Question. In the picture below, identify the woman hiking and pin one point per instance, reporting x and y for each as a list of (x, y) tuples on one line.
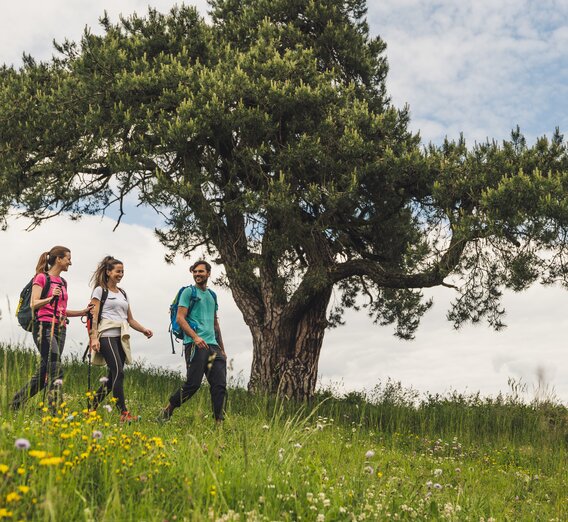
[(49, 304), (109, 337)]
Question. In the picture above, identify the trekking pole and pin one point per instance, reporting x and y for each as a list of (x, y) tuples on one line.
[(89, 325)]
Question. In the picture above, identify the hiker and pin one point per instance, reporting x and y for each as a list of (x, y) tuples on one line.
[(109, 337), (203, 345), (49, 306)]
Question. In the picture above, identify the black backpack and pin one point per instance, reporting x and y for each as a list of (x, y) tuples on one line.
[(24, 312)]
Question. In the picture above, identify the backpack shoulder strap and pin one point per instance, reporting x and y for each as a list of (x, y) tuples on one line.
[(123, 292), (102, 303), (213, 294), (192, 298), (45, 289)]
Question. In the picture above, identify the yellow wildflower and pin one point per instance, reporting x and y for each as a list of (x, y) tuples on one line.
[(4, 468), (4, 513), (51, 461), (38, 454), (21, 471), (12, 497), (24, 489)]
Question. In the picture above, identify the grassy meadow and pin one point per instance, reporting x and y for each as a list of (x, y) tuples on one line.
[(386, 455)]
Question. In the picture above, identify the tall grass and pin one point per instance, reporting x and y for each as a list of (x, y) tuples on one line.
[(390, 454)]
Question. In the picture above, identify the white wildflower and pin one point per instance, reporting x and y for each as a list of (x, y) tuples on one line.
[(22, 444)]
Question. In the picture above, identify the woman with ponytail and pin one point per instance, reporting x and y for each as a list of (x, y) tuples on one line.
[(49, 304), (109, 337)]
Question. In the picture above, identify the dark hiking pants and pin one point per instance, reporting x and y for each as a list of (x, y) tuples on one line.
[(200, 362), (50, 373), (113, 354)]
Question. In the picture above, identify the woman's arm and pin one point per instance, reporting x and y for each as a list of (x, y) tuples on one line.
[(77, 313), (94, 343), (37, 302), (135, 325)]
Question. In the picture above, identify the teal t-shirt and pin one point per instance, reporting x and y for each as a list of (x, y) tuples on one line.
[(201, 315)]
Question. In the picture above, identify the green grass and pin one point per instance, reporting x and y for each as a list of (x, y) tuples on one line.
[(428, 458)]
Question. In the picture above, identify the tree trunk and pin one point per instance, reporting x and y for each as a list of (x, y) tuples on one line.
[(287, 349)]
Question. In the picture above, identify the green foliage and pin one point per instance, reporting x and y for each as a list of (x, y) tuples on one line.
[(391, 451)]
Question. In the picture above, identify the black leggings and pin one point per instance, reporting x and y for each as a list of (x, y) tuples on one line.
[(113, 353), (50, 372)]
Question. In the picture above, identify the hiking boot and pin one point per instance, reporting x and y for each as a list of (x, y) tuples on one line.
[(126, 417), (165, 414)]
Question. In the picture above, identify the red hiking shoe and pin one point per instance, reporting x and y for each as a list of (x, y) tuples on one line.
[(127, 417)]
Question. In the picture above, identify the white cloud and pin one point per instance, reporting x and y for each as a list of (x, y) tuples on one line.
[(32, 25), (480, 67)]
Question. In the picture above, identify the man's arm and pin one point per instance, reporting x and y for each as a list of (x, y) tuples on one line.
[(218, 336)]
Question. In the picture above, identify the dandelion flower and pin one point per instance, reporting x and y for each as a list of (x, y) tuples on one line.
[(24, 489), (97, 434), (437, 472), (370, 454), (12, 497), (38, 454), (369, 470), (103, 380), (4, 513), (4, 468), (23, 444), (51, 461)]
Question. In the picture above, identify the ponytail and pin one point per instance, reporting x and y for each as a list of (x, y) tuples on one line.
[(47, 259), (100, 277)]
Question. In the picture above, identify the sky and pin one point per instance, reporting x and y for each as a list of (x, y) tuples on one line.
[(476, 67)]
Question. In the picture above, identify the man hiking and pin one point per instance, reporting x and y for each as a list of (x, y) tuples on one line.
[(203, 344)]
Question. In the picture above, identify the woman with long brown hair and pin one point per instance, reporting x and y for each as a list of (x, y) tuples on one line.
[(49, 304), (109, 337)]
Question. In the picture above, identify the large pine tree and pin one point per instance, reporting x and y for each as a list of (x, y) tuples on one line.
[(266, 135)]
